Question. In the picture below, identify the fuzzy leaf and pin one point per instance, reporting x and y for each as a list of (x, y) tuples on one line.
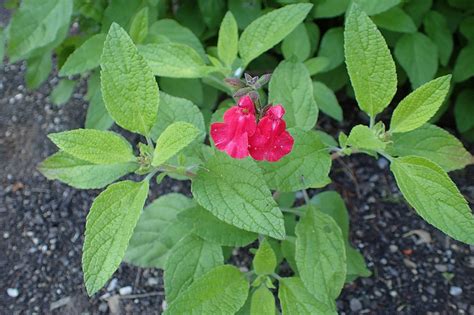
[(139, 26), (86, 57), (434, 196), (296, 299), (464, 110), (174, 60), (207, 226), (269, 29), (236, 193), (173, 109), (129, 88), (372, 7), (174, 138), (35, 25), (463, 67), (369, 63), (228, 40), (395, 20), (436, 27), (95, 146), (434, 144), (109, 226), (420, 105), (157, 231), (297, 44), (82, 174), (190, 258), (320, 255), (418, 56), (221, 291), (264, 261), (291, 86), (263, 302), (332, 47), (37, 70), (327, 101), (306, 166), (364, 138), (62, 92)]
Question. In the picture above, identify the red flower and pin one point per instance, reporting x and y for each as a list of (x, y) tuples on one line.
[(271, 141), (232, 136)]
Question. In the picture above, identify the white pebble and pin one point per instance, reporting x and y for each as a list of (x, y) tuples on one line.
[(455, 291), (112, 285), (12, 292), (125, 290)]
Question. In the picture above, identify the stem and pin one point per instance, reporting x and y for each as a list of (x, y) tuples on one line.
[(385, 155), (149, 142), (295, 212), (276, 276), (305, 196), (151, 174), (372, 122), (172, 168)]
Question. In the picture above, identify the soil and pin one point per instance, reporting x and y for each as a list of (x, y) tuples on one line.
[(416, 269)]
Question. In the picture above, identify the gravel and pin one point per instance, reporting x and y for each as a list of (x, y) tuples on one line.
[(42, 225)]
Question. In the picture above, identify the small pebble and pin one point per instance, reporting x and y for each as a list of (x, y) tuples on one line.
[(12, 292), (441, 268), (393, 248), (112, 285), (152, 281), (355, 305), (382, 163), (455, 291), (125, 290), (383, 261)]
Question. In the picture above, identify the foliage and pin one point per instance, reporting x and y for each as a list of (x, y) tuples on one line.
[(166, 73)]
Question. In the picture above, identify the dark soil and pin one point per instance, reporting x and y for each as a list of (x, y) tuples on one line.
[(42, 225)]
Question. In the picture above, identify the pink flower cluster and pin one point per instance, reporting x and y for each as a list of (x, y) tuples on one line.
[(240, 135)]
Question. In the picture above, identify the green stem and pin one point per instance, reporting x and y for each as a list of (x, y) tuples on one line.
[(174, 169), (305, 196), (295, 212), (372, 122)]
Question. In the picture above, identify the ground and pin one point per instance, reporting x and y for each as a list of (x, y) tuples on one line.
[(416, 269)]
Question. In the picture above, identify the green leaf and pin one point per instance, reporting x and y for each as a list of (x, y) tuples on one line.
[(327, 101), (418, 56), (418, 9), (157, 231), (190, 89), (35, 25), (364, 138), (464, 110), (316, 65), (372, 7), (173, 109), (332, 47), (263, 302), (467, 27), (97, 116), (62, 92), (139, 26), (3, 35), (245, 12), (126, 76), (291, 86), (329, 8), (297, 44), (463, 68), (212, 11), (288, 251), (296, 299), (307, 165), (109, 227), (228, 40), (172, 140), (332, 204), (436, 27), (395, 20), (269, 29), (85, 58), (221, 291), (177, 33), (420, 105), (320, 255), (434, 144), (210, 228), (82, 174), (95, 146), (434, 196), (37, 70), (369, 63), (236, 193), (190, 258), (264, 261), (174, 60)]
